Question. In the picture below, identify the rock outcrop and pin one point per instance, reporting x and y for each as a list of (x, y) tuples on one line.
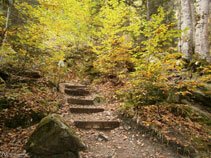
[(54, 138)]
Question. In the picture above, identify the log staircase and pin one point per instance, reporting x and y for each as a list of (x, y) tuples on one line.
[(79, 95)]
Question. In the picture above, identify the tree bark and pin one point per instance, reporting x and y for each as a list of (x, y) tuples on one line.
[(179, 45), (148, 10), (193, 22), (210, 23), (4, 34), (187, 36), (202, 30), (6, 26)]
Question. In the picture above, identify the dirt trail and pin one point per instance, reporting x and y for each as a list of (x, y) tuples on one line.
[(121, 142)]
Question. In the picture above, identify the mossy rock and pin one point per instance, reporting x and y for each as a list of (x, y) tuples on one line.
[(53, 136), (98, 100)]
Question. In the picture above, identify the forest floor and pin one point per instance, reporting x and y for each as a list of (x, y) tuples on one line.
[(173, 126), (122, 142), (126, 141)]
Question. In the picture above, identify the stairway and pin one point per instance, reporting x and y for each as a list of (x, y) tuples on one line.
[(97, 124), (81, 101)]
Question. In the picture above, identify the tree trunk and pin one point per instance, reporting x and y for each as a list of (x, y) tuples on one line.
[(210, 23), (179, 45), (6, 26), (148, 10), (193, 22), (202, 31), (4, 32), (187, 36)]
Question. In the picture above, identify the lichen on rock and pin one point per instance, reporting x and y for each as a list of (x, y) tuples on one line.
[(53, 137)]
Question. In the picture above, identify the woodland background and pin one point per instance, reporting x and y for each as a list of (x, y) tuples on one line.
[(156, 54)]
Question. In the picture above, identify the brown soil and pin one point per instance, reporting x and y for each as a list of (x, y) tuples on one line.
[(121, 142)]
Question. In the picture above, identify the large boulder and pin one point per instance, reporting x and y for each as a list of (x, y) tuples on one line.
[(54, 138)]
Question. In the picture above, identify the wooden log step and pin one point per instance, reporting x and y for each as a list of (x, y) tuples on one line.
[(86, 110), (75, 86), (80, 101), (77, 92), (103, 125)]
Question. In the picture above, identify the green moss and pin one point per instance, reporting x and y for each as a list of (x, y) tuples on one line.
[(52, 133), (48, 121)]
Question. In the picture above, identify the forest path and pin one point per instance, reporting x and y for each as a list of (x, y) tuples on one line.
[(111, 138)]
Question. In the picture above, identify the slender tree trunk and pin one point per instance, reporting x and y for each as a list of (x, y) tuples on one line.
[(4, 35), (179, 45), (6, 25), (210, 23), (193, 22), (202, 30), (148, 10), (187, 37)]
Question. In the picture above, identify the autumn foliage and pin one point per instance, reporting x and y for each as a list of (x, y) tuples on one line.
[(95, 41)]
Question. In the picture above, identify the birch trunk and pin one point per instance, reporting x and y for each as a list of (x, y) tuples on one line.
[(187, 37), (202, 30), (6, 26), (148, 10), (193, 22), (210, 25), (179, 45), (4, 32)]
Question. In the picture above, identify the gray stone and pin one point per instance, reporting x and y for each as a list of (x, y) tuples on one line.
[(54, 138), (102, 137)]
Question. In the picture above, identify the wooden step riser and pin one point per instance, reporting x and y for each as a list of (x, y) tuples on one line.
[(86, 110), (101, 125), (77, 92), (75, 87), (80, 102)]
